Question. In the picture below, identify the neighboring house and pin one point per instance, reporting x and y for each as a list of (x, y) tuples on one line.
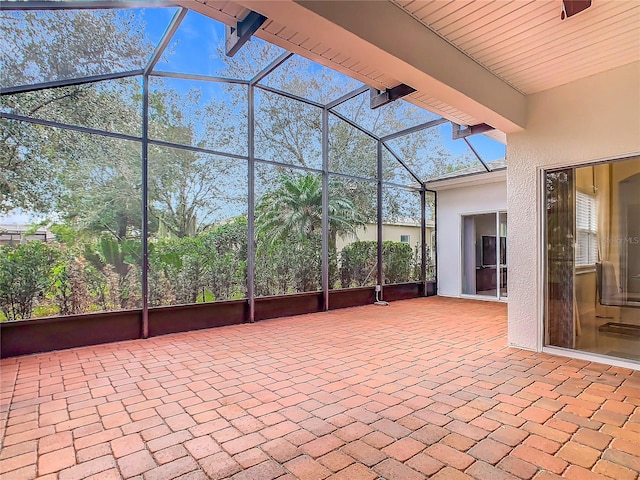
[(405, 231), (16, 234)]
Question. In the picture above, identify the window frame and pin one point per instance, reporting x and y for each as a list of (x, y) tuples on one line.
[(586, 260)]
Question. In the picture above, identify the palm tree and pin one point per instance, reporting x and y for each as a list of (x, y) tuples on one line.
[(293, 211)]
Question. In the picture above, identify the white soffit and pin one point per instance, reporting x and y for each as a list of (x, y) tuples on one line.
[(292, 26), (291, 39), (522, 42), (481, 178), (525, 43)]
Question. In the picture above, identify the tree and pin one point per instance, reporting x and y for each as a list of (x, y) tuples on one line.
[(188, 190), (25, 272), (92, 184), (294, 210), (289, 236), (183, 191), (289, 131), (53, 45), (101, 186), (289, 233)]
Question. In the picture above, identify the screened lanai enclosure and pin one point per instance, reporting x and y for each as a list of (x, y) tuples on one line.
[(177, 187)]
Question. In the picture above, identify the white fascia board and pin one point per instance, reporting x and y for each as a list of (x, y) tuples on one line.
[(499, 176), (390, 40)]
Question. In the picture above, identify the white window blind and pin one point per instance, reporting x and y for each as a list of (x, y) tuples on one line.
[(586, 229)]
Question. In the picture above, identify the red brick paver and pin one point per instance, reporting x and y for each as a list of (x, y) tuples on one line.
[(423, 388)]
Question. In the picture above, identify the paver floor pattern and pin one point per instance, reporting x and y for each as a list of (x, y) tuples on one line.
[(423, 388)]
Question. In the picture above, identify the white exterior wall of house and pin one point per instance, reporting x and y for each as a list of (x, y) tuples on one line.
[(454, 201), (595, 118), (389, 232)]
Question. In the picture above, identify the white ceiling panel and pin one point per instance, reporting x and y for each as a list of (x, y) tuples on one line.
[(527, 45)]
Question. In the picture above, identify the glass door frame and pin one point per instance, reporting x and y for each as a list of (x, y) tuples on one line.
[(500, 267), (543, 269)]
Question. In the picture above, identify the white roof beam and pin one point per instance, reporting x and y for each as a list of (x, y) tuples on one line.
[(391, 40)]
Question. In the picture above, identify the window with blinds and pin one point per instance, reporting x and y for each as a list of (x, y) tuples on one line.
[(586, 230)]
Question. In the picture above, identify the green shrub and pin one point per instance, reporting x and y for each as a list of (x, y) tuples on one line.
[(69, 285), (358, 264), (210, 266), (25, 275), (397, 262), (225, 250), (118, 283)]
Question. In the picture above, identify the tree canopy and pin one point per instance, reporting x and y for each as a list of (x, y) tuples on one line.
[(87, 183)]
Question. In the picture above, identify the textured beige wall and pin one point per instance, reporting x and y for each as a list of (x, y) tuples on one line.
[(592, 119), (389, 232)]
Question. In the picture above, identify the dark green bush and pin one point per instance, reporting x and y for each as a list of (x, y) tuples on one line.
[(397, 262), (25, 273), (358, 263)]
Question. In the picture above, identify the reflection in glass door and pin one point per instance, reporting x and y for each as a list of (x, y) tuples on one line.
[(592, 301), (484, 255), (502, 229)]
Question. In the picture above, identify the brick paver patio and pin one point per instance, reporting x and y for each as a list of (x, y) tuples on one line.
[(423, 388)]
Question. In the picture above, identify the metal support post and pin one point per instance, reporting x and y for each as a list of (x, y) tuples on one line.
[(325, 207), (379, 175), (435, 242), (251, 207), (145, 206), (423, 240)]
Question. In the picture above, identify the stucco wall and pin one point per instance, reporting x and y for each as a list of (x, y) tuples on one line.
[(452, 204), (591, 119), (389, 232)]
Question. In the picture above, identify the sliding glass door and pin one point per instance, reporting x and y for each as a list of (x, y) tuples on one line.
[(502, 230), (592, 223), (484, 255)]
